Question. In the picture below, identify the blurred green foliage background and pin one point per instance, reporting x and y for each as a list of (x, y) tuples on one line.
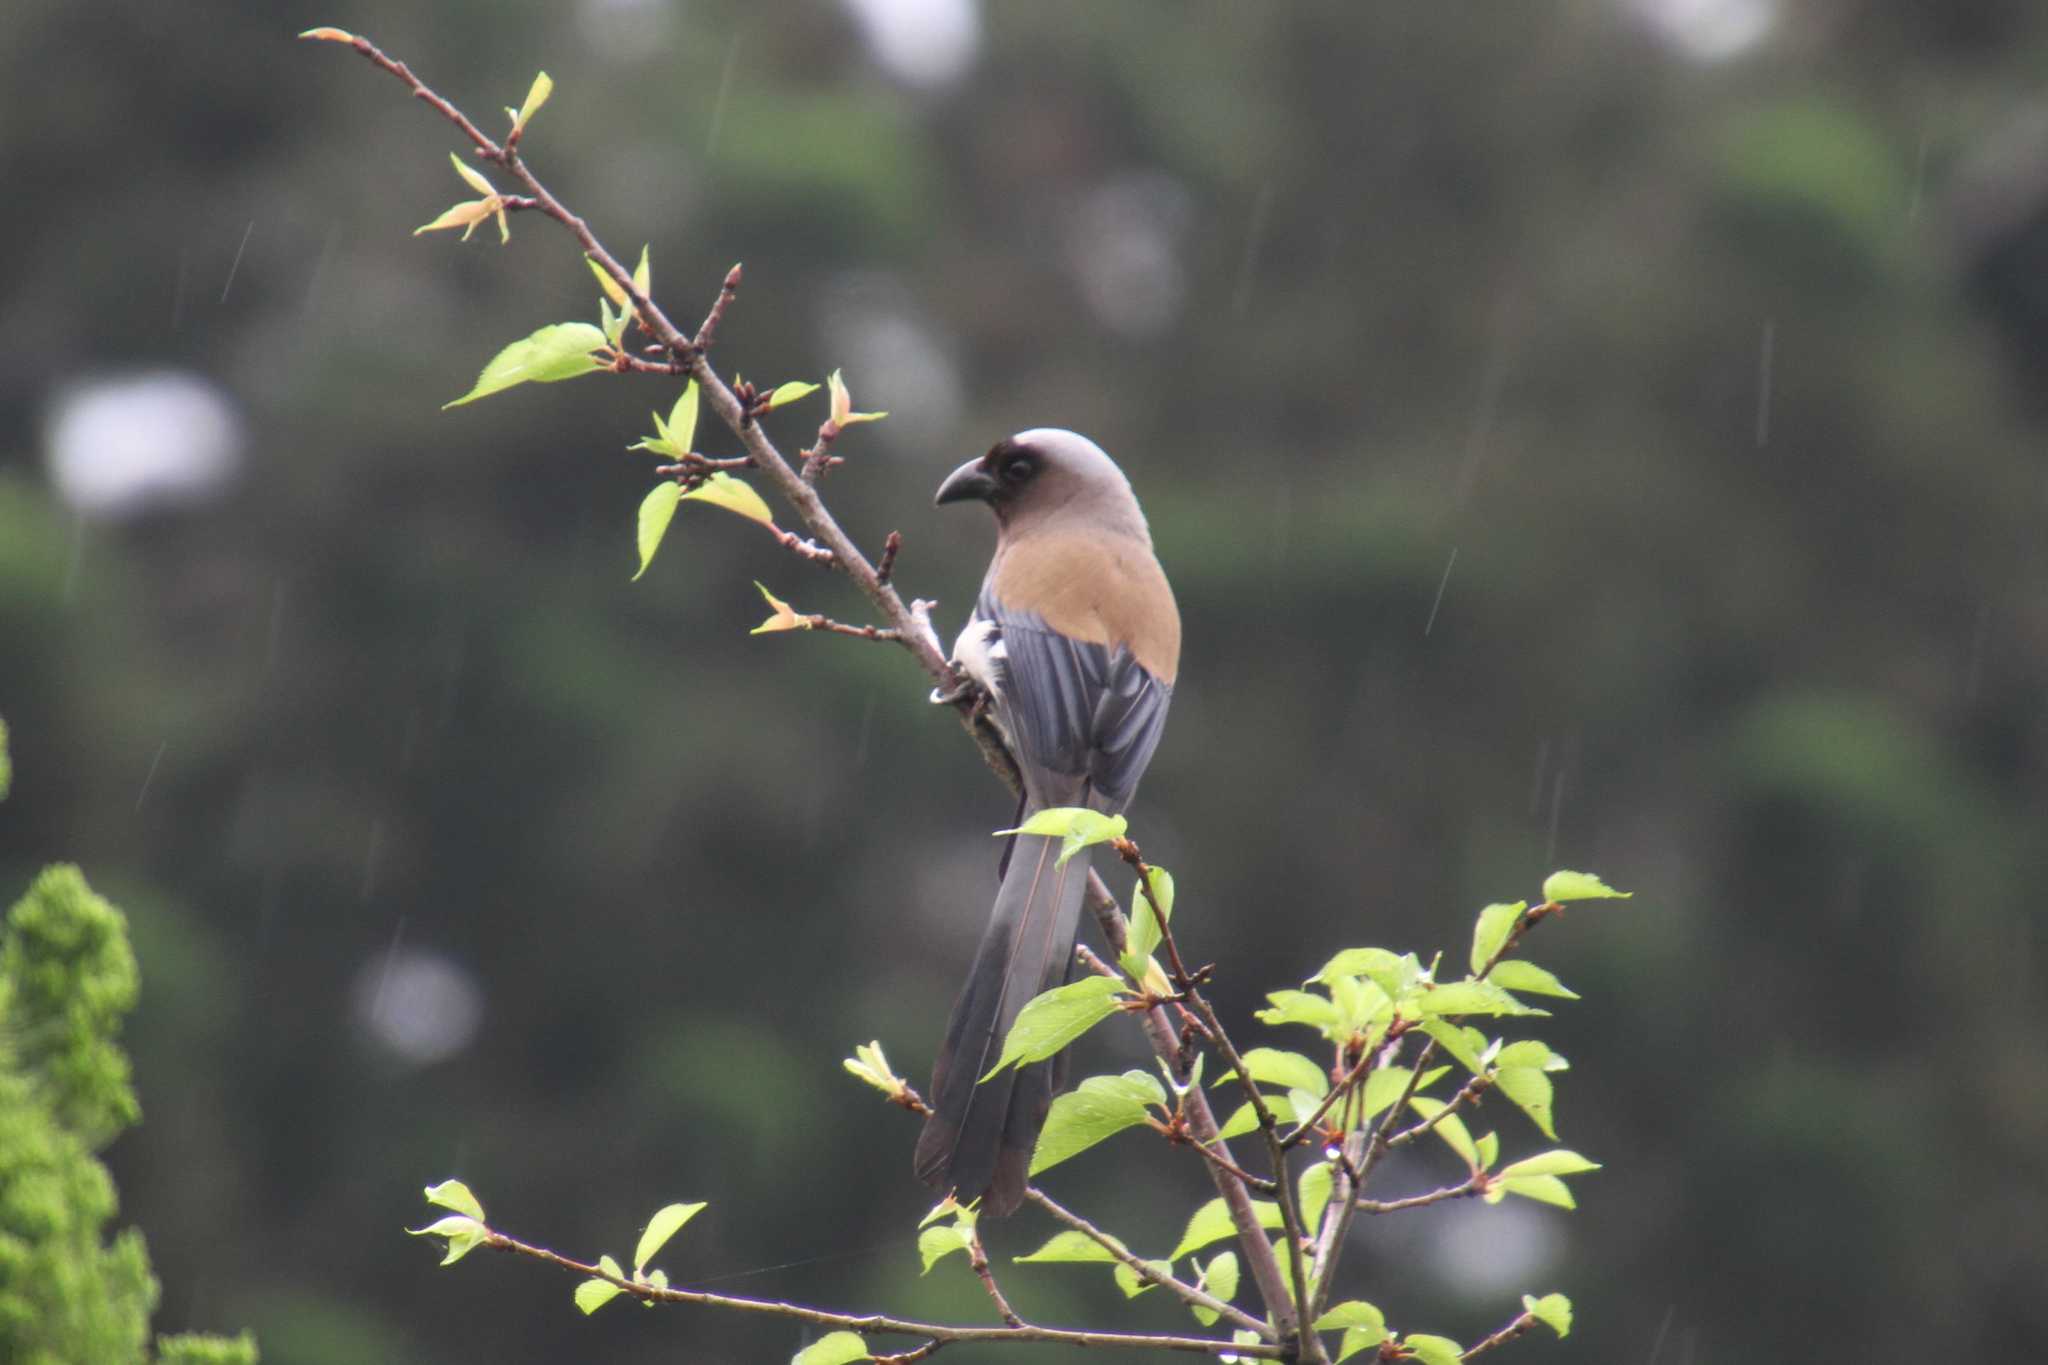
[(1604, 433)]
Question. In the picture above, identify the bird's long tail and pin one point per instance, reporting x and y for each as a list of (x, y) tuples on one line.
[(979, 1138)]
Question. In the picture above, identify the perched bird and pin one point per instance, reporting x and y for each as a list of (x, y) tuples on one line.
[(1075, 638)]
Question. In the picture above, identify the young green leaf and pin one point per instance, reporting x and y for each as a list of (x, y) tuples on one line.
[(834, 1348), (1530, 1052), (1052, 1020), (1076, 827), (1552, 1310), (467, 215), (1314, 1192), (1489, 1150), (667, 1221), (935, 1244), (1579, 886), (464, 1234), (1432, 1350), (453, 1194), (1372, 962), (1364, 1326), (842, 404), (1466, 1045), (785, 394), (868, 1063), (1471, 997), (612, 288), (1211, 1223), (681, 431), (785, 617), (657, 510), (734, 495), (329, 35), (1219, 1279), (1134, 1284), (1299, 1007), (1384, 1086), (1544, 1189), (643, 276), (592, 1295), (561, 351), (1099, 1107), (1559, 1161), (1272, 1066), (1069, 1247), (1532, 1093), (1145, 927), (1495, 923), (1245, 1119), (1519, 975), (1450, 1128), (536, 95)]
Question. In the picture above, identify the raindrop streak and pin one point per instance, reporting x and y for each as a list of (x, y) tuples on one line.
[(370, 858), (890, 1245), (1536, 782), (1663, 1330), (178, 291), (384, 972), (150, 776), (1766, 353), (1254, 244), (1442, 583), (1556, 806), (732, 56), (236, 264)]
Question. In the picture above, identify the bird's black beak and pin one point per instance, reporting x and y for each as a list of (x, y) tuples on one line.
[(970, 482)]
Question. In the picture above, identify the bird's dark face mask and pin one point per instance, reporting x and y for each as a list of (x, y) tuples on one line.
[(995, 478)]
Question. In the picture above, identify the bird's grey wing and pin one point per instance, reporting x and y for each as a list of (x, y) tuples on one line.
[(1087, 713)]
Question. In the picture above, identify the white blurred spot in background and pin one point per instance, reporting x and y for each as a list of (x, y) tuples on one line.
[(419, 1006), (626, 31), (120, 446), (1487, 1251), (1123, 245), (925, 43), (894, 359), (1709, 30)]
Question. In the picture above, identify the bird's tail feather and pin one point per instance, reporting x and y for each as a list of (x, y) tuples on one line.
[(979, 1138)]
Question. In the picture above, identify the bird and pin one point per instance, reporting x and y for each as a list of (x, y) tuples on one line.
[(1075, 641)]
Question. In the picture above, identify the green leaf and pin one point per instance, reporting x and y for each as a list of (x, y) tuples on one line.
[(1076, 827), (592, 1295), (1069, 1247), (1519, 975), (785, 394), (734, 495), (643, 275), (785, 617), (935, 1244), (1531, 1091), (464, 1234), (1489, 1150), (834, 1348), (536, 95), (1314, 1192), (1273, 1066), (610, 286), (1467, 1045), (1299, 1007), (1579, 886), (453, 1194), (667, 1221), (1364, 1326), (1373, 962), (1145, 929), (681, 429), (557, 352), (1432, 1350), (1052, 1020), (1211, 1223), (1384, 1086), (657, 510), (842, 404), (471, 176), (1544, 1189), (1495, 923), (1559, 1161), (1552, 1310), (1530, 1052), (1450, 1128), (1245, 1119), (1132, 1283), (1218, 1279), (1471, 997), (1099, 1107)]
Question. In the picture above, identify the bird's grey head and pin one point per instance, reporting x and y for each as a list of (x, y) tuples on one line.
[(1044, 471)]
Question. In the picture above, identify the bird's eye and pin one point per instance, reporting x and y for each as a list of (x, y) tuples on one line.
[(1019, 470)]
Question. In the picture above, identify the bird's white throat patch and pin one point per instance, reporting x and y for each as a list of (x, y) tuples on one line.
[(979, 652)]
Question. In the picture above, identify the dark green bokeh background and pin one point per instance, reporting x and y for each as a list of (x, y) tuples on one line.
[(1721, 381)]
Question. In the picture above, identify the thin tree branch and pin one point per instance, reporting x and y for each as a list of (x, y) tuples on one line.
[(1518, 1327), (880, 1322), (1179, 1288), (977, 1259), (1463, 1190)]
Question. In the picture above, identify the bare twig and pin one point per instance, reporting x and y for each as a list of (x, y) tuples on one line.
[(708, 332), (1520, 1326), (1464, 1189), (880, 1322), (890, 547), (977, 1259), (1180, 1289)]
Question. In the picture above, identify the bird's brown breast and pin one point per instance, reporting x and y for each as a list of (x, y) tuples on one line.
[(1099, 589)]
